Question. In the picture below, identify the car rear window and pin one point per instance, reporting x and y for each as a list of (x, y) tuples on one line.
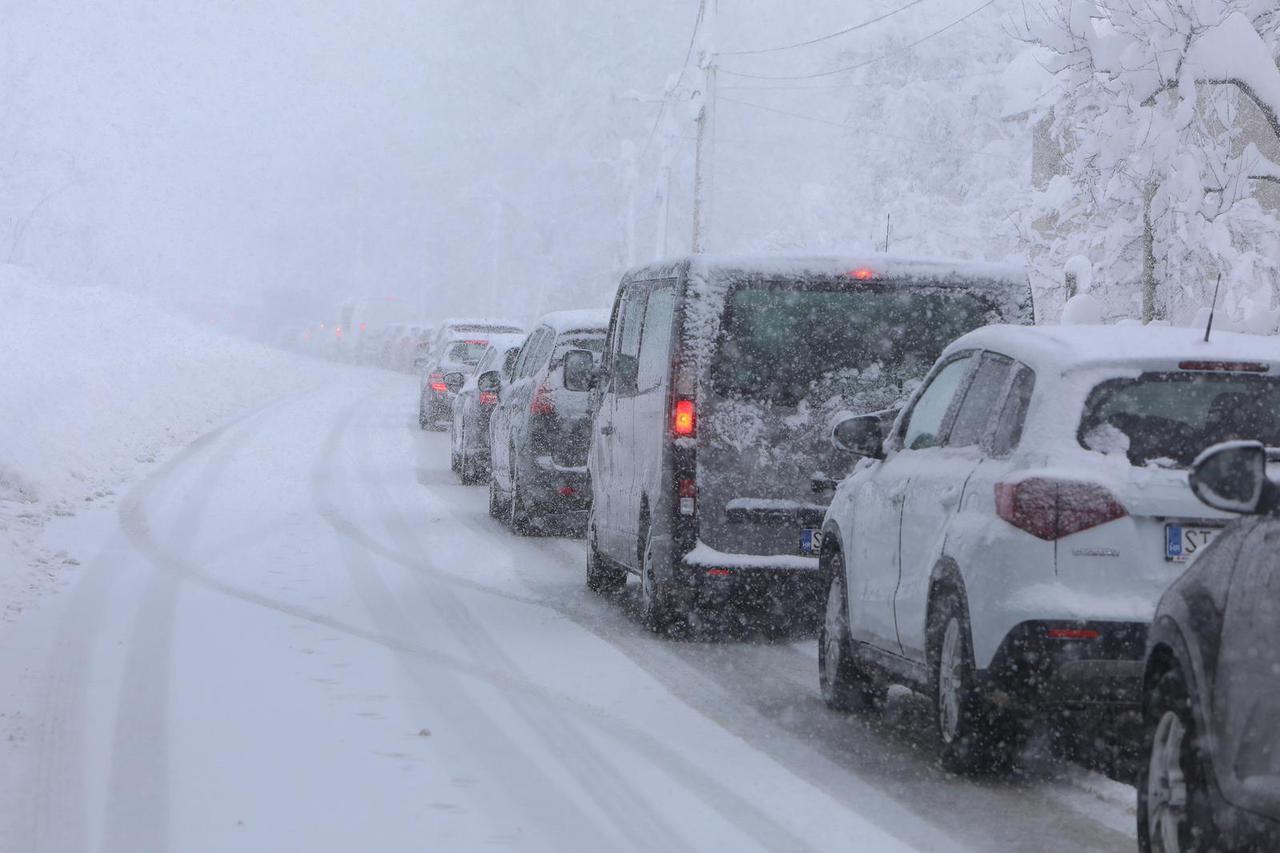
[(784, 341), (466, 352), (1166, 419), (590, 343)]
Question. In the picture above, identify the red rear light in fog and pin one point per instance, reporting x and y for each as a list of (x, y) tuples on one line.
[(437, 382), (1050, 509), (1231, 366), (488, 398), (684, 420), (567, 491), (542, 403), (861, 274), (1072, 634), (688, 496), (719, 573)]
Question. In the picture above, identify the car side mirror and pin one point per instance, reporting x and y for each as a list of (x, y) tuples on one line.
[(1232, 477), (489, 381), (453, 381), (579, 370), (861, 435)]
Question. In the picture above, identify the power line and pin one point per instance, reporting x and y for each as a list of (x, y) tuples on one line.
[(864, 63), (861, 129), (693, 38), (827, 37)]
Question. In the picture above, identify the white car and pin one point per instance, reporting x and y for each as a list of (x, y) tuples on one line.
[(1004, 546)]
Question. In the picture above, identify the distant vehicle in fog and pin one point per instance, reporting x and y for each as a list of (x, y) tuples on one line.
[(1004, 543), (362, 321), (455, 350), (541, 429), (1211, 686), (718, 385), (469, 433)]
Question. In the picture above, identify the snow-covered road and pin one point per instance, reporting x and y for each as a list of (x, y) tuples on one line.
[(300, 634)]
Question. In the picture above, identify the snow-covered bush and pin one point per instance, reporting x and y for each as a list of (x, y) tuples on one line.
[(1164, 114)]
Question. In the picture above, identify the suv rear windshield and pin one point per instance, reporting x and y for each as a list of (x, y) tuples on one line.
[(787, 341), (1166, 419), (466, 352), (580, 340)]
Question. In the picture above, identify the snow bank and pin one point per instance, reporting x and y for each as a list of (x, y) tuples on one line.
[(96, 385)]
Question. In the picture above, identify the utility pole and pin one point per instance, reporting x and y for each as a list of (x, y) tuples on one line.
[(705, 145)]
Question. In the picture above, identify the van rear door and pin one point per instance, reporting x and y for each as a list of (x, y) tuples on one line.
[(792, 353)]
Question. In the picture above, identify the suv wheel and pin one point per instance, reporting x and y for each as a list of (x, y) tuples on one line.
[(1173, 803), (975, 737), (518, 516), (845, 685), (602, 576)]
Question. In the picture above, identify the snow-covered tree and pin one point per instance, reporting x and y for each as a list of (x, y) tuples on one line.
[(1166, 112)]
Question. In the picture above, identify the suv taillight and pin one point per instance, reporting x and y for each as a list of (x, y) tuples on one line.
[(688, 496), (488, 398), (542, 403), (437, 382), (1050, 509), (684, 419)]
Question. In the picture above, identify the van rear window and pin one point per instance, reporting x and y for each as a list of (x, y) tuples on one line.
[(787, 341)]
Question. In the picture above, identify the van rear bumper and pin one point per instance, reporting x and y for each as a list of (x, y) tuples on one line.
[(714, 577)]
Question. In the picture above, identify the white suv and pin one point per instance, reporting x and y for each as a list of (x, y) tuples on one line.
[(1003, 548)]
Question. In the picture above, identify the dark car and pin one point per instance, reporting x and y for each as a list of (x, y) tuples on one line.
[(710, 465), (454, 353), (469, 434), (1211, 689), (540, 431)]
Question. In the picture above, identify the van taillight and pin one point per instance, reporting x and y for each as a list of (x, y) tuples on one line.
[(1050, 509), (684, 419), (488, 398), (542, 403)]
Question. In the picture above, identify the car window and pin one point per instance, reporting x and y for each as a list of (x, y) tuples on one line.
[(1013, 414), (487, 360), (980, 401), (927, 419), (632, 322), (655, 343), (526, 352), (541, 349)]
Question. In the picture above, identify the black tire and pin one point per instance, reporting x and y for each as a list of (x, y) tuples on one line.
[(519, 517), (975, 737), (496, 505), (1170, 731), (455, 464), (423, 421), (602, 576), (657, 611), (845, 685)]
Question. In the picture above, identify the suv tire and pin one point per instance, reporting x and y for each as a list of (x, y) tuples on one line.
[(975, 736), (846, 686), (1174, 770), (602, 576)]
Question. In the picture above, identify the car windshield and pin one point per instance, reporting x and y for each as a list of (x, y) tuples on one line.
[(593, 344), (784, 341), (1166, 419), (466, 352)]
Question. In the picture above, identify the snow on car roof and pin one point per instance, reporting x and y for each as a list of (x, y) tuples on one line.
[(583, 320), (880, 266), (482, 321), (1075, 347)]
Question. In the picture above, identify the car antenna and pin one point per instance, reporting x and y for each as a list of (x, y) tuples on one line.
[(1212, 306)]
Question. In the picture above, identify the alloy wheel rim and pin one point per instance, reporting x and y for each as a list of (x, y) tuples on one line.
[(950, 679), (1167, 785)]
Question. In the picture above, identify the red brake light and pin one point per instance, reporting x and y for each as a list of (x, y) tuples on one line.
[(719, 573), (1241, 366), (688, 489), (477, 343), (684, 420), (1050, 509), (488, 398), (542, 403), (1073, 634), (861, 274), (437, 382)]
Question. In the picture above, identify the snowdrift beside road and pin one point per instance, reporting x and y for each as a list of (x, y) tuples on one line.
[(95, 384)]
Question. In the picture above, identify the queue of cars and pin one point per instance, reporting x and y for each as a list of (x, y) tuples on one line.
[(983, 510)]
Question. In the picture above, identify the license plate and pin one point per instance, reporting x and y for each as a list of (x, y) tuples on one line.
[(1182, 544), (810, 540)]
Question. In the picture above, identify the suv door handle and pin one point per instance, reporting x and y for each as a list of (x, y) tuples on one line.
[(607, 429)]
